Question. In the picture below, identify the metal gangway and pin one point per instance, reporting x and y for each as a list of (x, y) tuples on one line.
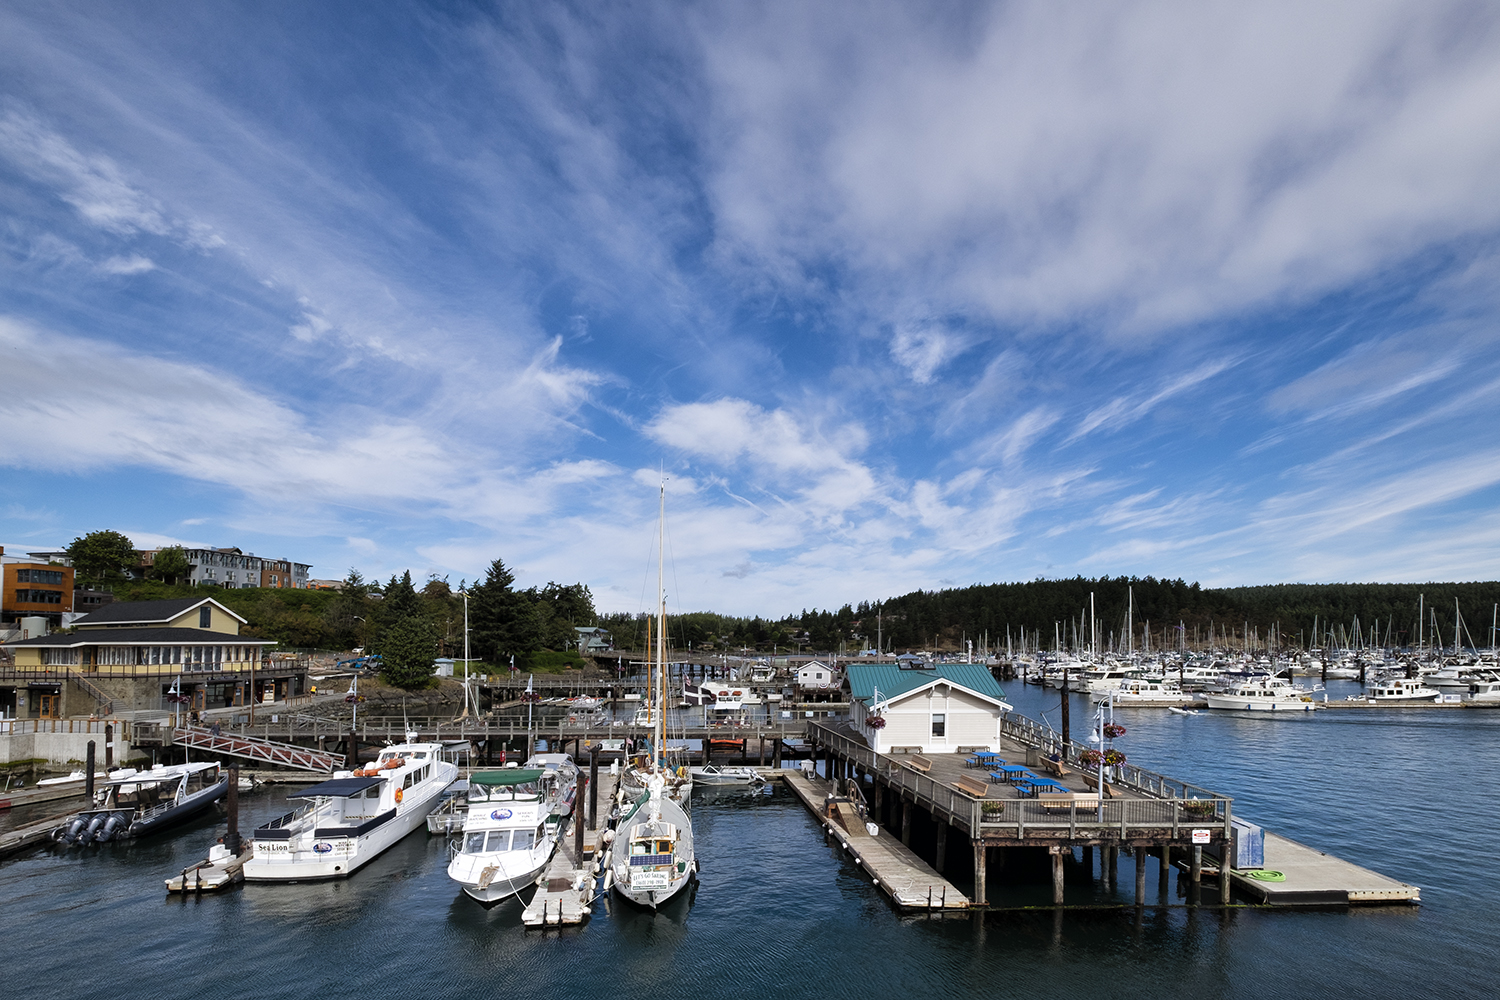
[(255, 748)]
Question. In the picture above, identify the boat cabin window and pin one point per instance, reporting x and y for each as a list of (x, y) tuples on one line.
[(473, 843), (663, 847), (420, 755), (409, 776), (373, 792), (522, 841)]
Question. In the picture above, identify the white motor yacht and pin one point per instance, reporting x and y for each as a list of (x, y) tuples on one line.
[(1264, 694), (559, 783), (507, 839), (347, 821), (1403, 689), (1135, 690)]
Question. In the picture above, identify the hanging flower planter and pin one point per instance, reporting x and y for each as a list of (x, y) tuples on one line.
[(875, 721), (1091, 759), (1114, 731)]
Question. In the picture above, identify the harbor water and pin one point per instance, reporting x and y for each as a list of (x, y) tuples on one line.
[(1409, 793)]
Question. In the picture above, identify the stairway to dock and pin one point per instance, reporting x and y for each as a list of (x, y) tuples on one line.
[(897, 871), (255, 748)]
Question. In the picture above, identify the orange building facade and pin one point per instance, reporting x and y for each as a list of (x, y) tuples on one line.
[(34, 589)]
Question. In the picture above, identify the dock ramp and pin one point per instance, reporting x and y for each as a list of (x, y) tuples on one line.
[(255, 748)]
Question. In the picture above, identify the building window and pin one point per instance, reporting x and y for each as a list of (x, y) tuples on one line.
[(939, 726), (60, 657), (39, 576), (38, 597), (205, 616)]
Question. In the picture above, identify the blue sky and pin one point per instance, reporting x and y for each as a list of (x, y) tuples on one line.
[(898, 296)]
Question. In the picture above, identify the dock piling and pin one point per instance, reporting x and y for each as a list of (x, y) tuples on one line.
[(594, 787), (980, 873), (232, 804), (1140, 876), (88, 772), (1057, 876)]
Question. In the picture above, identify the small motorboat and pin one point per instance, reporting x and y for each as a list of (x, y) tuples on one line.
[(713, 774), (1175, 710), (134, 803), (76, 778)]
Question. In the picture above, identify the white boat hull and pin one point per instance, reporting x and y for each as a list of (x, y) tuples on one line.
[(344, 855), (499, 886), (1229, 703)]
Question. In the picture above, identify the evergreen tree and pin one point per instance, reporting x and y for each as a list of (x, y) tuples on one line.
[(407, 651), (503, 622)]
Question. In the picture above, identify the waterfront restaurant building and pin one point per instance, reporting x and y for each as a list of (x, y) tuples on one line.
[(926, 708), (129, 655)]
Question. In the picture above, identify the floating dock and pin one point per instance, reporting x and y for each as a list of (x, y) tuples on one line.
[(566, 890), (1316, 878), (896, 870)]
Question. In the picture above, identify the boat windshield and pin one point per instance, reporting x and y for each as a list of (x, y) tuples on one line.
[(505, 793)]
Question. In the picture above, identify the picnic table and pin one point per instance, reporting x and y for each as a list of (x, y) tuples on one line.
[(985, 759)]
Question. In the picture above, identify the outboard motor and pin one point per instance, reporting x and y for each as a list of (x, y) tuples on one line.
[(112, 828), (96, 823), (70, 833)]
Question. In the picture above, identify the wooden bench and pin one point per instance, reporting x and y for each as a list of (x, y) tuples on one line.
[(1067, 800), (918, 763), (971, 786), (1110, 791), (1054, 766)]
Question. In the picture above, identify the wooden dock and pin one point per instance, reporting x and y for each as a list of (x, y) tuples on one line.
[(1316, 878), (567, 888), (895, 869), (31, 835)]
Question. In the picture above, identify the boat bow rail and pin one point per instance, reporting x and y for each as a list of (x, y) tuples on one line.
[(255, 748)]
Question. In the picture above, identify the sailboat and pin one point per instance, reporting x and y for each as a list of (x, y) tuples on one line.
[(651, 857)]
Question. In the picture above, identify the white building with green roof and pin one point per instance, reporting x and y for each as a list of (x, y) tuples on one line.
[(926, 708)]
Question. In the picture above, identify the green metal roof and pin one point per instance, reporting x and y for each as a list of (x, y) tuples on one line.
[(510, 776), (892, 680)]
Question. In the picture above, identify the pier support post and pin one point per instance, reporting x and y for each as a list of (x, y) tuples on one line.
[(776, 754), (351, 751), (1057, 875), (1088, 860), (1114, 865), (594, 787), (1196, 866), (88, 775), (109, 747), (1140, 876), (980, 874), (1224, 883), (942, 846), (232, 805), (1164, 871), (906, 808), (762, 741)]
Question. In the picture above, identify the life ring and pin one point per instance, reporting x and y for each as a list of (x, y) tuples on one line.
[(398, 796)]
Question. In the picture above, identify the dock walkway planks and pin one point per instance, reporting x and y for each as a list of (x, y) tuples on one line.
[(1314, 878), (567, 886), (907, 879)]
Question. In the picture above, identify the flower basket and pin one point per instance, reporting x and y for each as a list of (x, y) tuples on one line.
[(1198, 807), (1114, 731), (875, 721), (991, 809), (1090, 760)]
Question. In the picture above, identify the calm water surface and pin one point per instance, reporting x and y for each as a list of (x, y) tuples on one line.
[(780, 915)]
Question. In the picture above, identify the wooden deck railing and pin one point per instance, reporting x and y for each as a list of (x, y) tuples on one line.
[(1162, 813)]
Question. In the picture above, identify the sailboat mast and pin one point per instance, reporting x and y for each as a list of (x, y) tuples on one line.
[(661, 631)]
